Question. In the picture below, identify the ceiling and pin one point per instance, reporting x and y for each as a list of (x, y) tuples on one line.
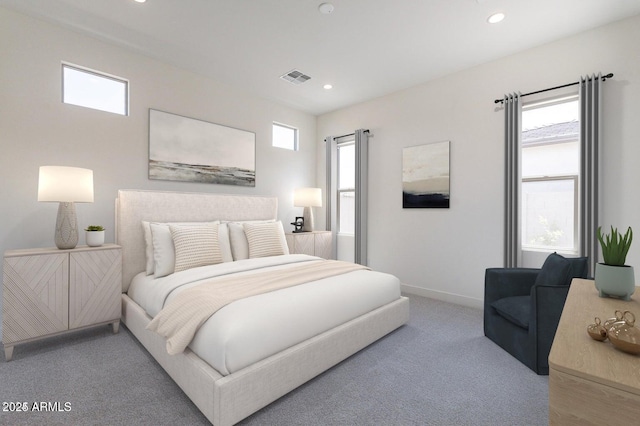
[(365, 48)]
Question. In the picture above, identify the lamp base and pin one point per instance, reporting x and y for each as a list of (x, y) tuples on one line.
[(66, 236), (307, 214)]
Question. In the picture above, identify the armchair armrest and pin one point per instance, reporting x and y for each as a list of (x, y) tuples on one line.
[(547, 303), (507, 282)]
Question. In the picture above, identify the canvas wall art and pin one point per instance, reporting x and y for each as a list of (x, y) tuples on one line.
[(186, 149), (425, 176)]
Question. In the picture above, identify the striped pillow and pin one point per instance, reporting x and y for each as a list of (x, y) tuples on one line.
[(195, 245), (265, 239)]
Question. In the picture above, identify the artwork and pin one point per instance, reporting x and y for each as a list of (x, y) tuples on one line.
[(425, 176), (186, 149)]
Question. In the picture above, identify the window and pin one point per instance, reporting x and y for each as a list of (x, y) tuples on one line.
[(550, 176), (285, 137), (346, 188), (93, 89)]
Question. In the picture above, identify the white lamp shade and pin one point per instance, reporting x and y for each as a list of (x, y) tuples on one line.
[(307, 197), (65, 184)]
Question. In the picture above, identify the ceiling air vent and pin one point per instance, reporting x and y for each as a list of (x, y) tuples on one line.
[(295, 77)]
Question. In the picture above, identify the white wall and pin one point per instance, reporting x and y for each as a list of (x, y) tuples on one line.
[(36, 129), (444, 253)]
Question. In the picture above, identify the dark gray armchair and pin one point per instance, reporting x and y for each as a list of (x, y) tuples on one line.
[(522, 307)]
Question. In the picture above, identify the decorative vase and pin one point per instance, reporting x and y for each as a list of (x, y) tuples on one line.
[(615, 281), (94, 238)]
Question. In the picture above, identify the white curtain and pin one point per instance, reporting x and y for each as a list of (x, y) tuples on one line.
[(512, 132), (590, 94)]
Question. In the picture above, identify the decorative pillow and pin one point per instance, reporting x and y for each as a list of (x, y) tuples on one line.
[(554, 271), (265, 239), (163, 248), (195, 246), (516, 309), (238, 239)]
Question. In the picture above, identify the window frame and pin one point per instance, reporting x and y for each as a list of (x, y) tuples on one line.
[(566, 96), (296, 136), (99, 74), (340, 190), (576, 215)]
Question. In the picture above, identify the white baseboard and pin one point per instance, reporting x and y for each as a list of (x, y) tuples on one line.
[(444, 296)]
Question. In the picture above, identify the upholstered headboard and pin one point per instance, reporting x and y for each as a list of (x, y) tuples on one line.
[(134, 206)]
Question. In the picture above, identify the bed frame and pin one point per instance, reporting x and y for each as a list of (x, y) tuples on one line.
[(225, 400)]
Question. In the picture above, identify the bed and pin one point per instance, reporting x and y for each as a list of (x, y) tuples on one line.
[(241, 385)]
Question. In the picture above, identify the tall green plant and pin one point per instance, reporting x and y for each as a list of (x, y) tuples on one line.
[(615, 246)]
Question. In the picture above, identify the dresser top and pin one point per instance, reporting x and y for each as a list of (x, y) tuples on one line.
[(574, 352), (54, 250)]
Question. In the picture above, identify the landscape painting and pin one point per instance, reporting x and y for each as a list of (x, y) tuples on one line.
[(425, 176), (186, 149)]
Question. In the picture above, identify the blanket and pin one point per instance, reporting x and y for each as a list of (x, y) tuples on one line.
[(181, 318)]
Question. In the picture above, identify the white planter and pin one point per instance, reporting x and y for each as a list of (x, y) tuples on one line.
[(94, 238), (615, 281)]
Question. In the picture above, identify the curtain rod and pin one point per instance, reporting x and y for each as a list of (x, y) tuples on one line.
[(604, 78), (349, 134)]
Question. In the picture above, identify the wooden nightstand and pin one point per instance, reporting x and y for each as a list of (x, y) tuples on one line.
[(315, 243), (50, 291)]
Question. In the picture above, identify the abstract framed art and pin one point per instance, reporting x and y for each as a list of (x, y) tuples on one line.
[(425, 176), (186, 149)]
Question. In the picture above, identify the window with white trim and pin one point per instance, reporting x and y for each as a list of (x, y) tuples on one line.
[(550, 176), (346, 188), (285, 137), (94, 89)]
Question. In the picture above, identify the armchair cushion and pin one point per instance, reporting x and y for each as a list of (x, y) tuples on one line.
[(555, 271), (516, 309)]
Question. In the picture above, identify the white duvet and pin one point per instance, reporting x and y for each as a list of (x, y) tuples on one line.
[(251, 329)]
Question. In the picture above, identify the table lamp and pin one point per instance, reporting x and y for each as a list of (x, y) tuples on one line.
[(65, 185), (307, 198)]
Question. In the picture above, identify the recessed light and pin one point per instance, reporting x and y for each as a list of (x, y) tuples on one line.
[(327, 87), (326, 8), (495, 18), (139, 1)]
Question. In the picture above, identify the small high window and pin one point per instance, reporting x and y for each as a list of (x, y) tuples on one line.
[(285, 136), (93, 89)]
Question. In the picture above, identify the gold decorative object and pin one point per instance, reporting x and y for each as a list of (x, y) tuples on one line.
[(597, 331), (624, 335)]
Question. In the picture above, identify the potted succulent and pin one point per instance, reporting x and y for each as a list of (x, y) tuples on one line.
[(94, 235), (613, 277)]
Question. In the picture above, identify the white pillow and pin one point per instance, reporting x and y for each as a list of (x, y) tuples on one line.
[(163, 249), (195, 246), (265, 239), (164, 258), (225, 242), (148, 243)]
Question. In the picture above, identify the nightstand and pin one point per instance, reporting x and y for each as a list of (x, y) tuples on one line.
[(315, 243), (50, 291)]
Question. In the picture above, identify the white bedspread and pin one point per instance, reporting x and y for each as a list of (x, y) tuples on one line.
[(254, 328)]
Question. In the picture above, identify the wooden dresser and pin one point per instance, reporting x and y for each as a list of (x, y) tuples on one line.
[(50, 291), (591, 382)]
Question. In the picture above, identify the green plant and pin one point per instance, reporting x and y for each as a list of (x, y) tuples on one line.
[(94, 228), (615, 246)]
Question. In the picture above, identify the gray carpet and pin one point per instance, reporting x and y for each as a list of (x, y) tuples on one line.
[(438, 369)]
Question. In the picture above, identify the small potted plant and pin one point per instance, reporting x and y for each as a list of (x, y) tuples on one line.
[(613, 277), (94, 235)]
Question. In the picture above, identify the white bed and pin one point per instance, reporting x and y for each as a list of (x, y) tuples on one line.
[(321, 330)]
